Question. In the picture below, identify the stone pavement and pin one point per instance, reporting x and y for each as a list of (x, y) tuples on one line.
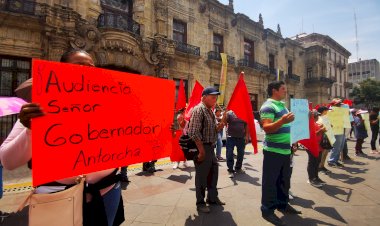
[(351, 196)]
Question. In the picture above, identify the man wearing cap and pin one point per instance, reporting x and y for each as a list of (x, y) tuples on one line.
[(275, 119), (340, 139), (203, 130)]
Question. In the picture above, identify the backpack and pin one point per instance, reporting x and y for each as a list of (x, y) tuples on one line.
[(188, 146), (325, 143)]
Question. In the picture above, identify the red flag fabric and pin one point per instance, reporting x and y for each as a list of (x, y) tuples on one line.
[(348, 102), (311, 144), (240, 104), (177, 153), (195, 99), (181, 98)]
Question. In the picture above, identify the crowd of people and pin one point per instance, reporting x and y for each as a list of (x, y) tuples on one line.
[(205, 127)]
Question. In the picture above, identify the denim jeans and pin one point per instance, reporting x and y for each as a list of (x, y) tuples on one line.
[(337, 148), (219, 144), (111, 202), (230, 145)]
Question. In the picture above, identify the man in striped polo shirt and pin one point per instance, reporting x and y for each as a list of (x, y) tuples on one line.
[(275, 119)]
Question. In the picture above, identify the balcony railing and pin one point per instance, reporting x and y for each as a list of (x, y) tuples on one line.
[(17, 6), (187, 48), (322, 79), (294, 77), (119, 21), (216, 56), (254, 65), (272, 71)]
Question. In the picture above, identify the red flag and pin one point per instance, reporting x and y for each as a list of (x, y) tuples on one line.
[(177, 153), (311, 144), (195, 99), (240, 104), (181, 98), (348, 102)]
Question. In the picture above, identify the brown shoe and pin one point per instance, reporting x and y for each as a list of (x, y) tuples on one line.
[(203, 208)]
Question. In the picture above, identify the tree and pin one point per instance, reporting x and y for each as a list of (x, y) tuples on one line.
[(367, 93)]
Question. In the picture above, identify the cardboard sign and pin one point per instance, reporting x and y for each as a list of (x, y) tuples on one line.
[(97, 119), (367, 124), (10, 105), (336, 117), (347, 120), (299, 128), (329, 131)]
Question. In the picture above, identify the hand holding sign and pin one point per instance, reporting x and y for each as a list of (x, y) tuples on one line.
[(97, 119)]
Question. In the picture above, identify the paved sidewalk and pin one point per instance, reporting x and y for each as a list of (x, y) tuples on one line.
[(351, 196)]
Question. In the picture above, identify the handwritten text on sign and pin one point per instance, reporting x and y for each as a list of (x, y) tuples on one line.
[(299, 128), (97, 119)]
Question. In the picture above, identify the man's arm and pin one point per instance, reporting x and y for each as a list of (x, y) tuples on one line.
[(271, 127)]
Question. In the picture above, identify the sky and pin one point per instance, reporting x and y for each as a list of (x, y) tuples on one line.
[(334, 18)]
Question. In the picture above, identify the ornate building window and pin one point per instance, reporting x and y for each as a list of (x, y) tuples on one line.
[(179, 31), (271, 61), (249, 51), (218, 43), (13, 72), (124, 7), (290, 67), (309, 72)]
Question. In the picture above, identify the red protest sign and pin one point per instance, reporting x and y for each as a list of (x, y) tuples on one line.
[(97, 119)]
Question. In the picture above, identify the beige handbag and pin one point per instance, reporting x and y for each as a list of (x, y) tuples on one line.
[(63, 208)]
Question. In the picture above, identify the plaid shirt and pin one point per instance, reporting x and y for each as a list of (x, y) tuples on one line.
[(201, 114)]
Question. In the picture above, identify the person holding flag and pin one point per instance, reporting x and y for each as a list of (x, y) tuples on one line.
[(275, 119)]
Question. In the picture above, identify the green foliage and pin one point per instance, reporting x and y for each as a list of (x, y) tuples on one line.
[(367, 93)]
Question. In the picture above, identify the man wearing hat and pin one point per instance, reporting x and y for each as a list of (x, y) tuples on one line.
[(203, 130)]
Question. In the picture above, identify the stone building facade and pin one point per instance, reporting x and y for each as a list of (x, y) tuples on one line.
[(176, 39), (326, 68)]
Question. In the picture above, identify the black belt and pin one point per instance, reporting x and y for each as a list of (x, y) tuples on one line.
[(210, 143)]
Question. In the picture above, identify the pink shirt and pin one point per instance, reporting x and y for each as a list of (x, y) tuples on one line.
[(16, 151)]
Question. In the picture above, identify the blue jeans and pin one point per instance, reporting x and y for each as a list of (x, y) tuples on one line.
[(240, 146), (111, 202), (219, 144), (337, 148)]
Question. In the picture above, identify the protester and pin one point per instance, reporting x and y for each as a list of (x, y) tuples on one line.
[(323, 112), (374, 122), (16, 151), (219, 141), (275, 119), (237, 136), (313, 163), (340, 139), (182, 123), (360, 132), (203, 130)]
